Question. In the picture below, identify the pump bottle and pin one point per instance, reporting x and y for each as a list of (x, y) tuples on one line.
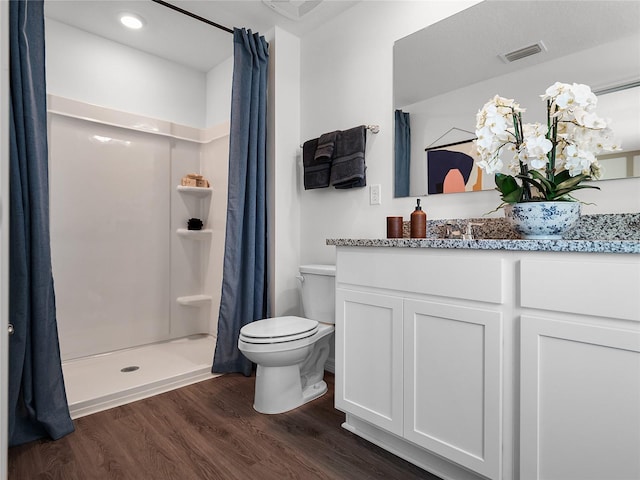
[(418, 222)]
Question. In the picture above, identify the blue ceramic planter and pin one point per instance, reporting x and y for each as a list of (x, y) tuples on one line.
[(542, 220)]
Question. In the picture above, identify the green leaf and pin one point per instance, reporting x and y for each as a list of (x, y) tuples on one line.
[(508, 186), (564, 191), (513, 197), (562, 176), (549, 186), (506, 183), (542, 188), (572, 182)]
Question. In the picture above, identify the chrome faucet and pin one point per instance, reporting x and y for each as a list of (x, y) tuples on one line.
[(452, 230), (468, 235)]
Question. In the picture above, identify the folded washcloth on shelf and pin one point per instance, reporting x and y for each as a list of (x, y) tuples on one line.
[(316, 172), (348, 169)]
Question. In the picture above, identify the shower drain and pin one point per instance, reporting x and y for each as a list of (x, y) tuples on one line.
[(132, 368)]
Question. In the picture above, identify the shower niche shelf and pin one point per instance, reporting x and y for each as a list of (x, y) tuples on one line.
[(195, 234), (194, 300), (193, 202), (195, 191)]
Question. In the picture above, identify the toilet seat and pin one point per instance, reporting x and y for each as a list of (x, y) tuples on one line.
[(278, 330)]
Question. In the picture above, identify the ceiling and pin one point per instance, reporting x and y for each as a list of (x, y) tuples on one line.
[(180, 38)]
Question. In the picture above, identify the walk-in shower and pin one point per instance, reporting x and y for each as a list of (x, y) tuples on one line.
[(131, 289), (137, 295)]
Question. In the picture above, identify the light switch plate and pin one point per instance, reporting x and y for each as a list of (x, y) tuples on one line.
[(374, 195)]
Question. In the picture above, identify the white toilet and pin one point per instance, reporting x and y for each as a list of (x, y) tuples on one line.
[(291, 351)]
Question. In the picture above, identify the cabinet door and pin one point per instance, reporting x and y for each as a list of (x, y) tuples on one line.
[(453, 383), (580, 401), (369, 358)]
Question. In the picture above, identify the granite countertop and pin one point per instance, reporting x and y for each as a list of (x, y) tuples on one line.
[(608, 233)]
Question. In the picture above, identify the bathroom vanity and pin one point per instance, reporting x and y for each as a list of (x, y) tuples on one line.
[(499, 359)]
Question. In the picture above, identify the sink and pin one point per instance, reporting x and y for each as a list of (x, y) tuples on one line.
[(473, 229)]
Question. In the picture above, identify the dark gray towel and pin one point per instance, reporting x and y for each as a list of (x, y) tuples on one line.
[(326, 146), (316, 172), (348, 169)]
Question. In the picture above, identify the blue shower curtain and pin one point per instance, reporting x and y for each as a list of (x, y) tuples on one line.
[(37, 399), (245, 295), (402, 154)]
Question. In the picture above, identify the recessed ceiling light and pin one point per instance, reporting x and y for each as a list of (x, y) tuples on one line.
[(131, 21)]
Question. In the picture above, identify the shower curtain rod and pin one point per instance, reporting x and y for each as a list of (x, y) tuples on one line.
[(192, 15)]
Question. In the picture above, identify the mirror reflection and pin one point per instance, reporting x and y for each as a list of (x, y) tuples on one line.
[(444, 73)]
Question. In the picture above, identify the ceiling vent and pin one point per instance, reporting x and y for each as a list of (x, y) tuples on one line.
[(523, 52), (292, 9)]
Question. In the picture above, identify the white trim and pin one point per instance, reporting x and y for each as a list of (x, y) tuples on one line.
[(107, 116), (82, 409), (4, 236)]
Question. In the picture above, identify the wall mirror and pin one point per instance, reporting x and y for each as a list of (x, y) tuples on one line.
[(444, 73)]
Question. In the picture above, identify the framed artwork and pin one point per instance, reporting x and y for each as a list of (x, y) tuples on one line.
[(451, 167)]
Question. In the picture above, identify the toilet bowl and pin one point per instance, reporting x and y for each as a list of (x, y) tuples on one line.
[(290, 351)]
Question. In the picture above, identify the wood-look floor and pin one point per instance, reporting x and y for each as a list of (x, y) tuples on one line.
[(209, 430)]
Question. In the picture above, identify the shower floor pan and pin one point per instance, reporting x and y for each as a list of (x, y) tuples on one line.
[(108, 380)]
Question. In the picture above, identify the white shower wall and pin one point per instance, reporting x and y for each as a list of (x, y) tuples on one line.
[(109, 235), (118, 263)]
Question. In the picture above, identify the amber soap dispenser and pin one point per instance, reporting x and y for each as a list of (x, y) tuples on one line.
[(418, 222)]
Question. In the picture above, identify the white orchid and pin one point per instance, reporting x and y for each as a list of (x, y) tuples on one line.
[(535, 146), (589, 119), (578, 161), (567, 97), (550, 161)]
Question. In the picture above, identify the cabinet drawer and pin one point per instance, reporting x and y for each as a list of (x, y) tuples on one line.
[(463, 275), (605, 289)]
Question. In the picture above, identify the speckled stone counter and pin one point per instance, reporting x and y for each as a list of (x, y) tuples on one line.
[(610, 233)]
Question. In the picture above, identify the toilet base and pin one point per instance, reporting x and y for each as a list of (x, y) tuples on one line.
[(314, 391), (279, 389)]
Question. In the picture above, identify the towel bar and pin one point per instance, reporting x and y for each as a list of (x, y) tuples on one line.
[(372, 128)]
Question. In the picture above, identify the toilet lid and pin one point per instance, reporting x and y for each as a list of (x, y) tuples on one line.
[(278, 329)]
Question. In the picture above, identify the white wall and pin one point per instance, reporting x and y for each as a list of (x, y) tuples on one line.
[(283, 186), (347, 80), (219, 92), (91, 69)]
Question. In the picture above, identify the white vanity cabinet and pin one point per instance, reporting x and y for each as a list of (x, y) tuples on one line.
[(580, 369), (506, 365), (419, 355)]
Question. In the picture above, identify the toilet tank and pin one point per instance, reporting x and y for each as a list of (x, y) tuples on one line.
[(318, 292)]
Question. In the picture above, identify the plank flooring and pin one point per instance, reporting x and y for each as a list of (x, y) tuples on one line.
[(209, 430)]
